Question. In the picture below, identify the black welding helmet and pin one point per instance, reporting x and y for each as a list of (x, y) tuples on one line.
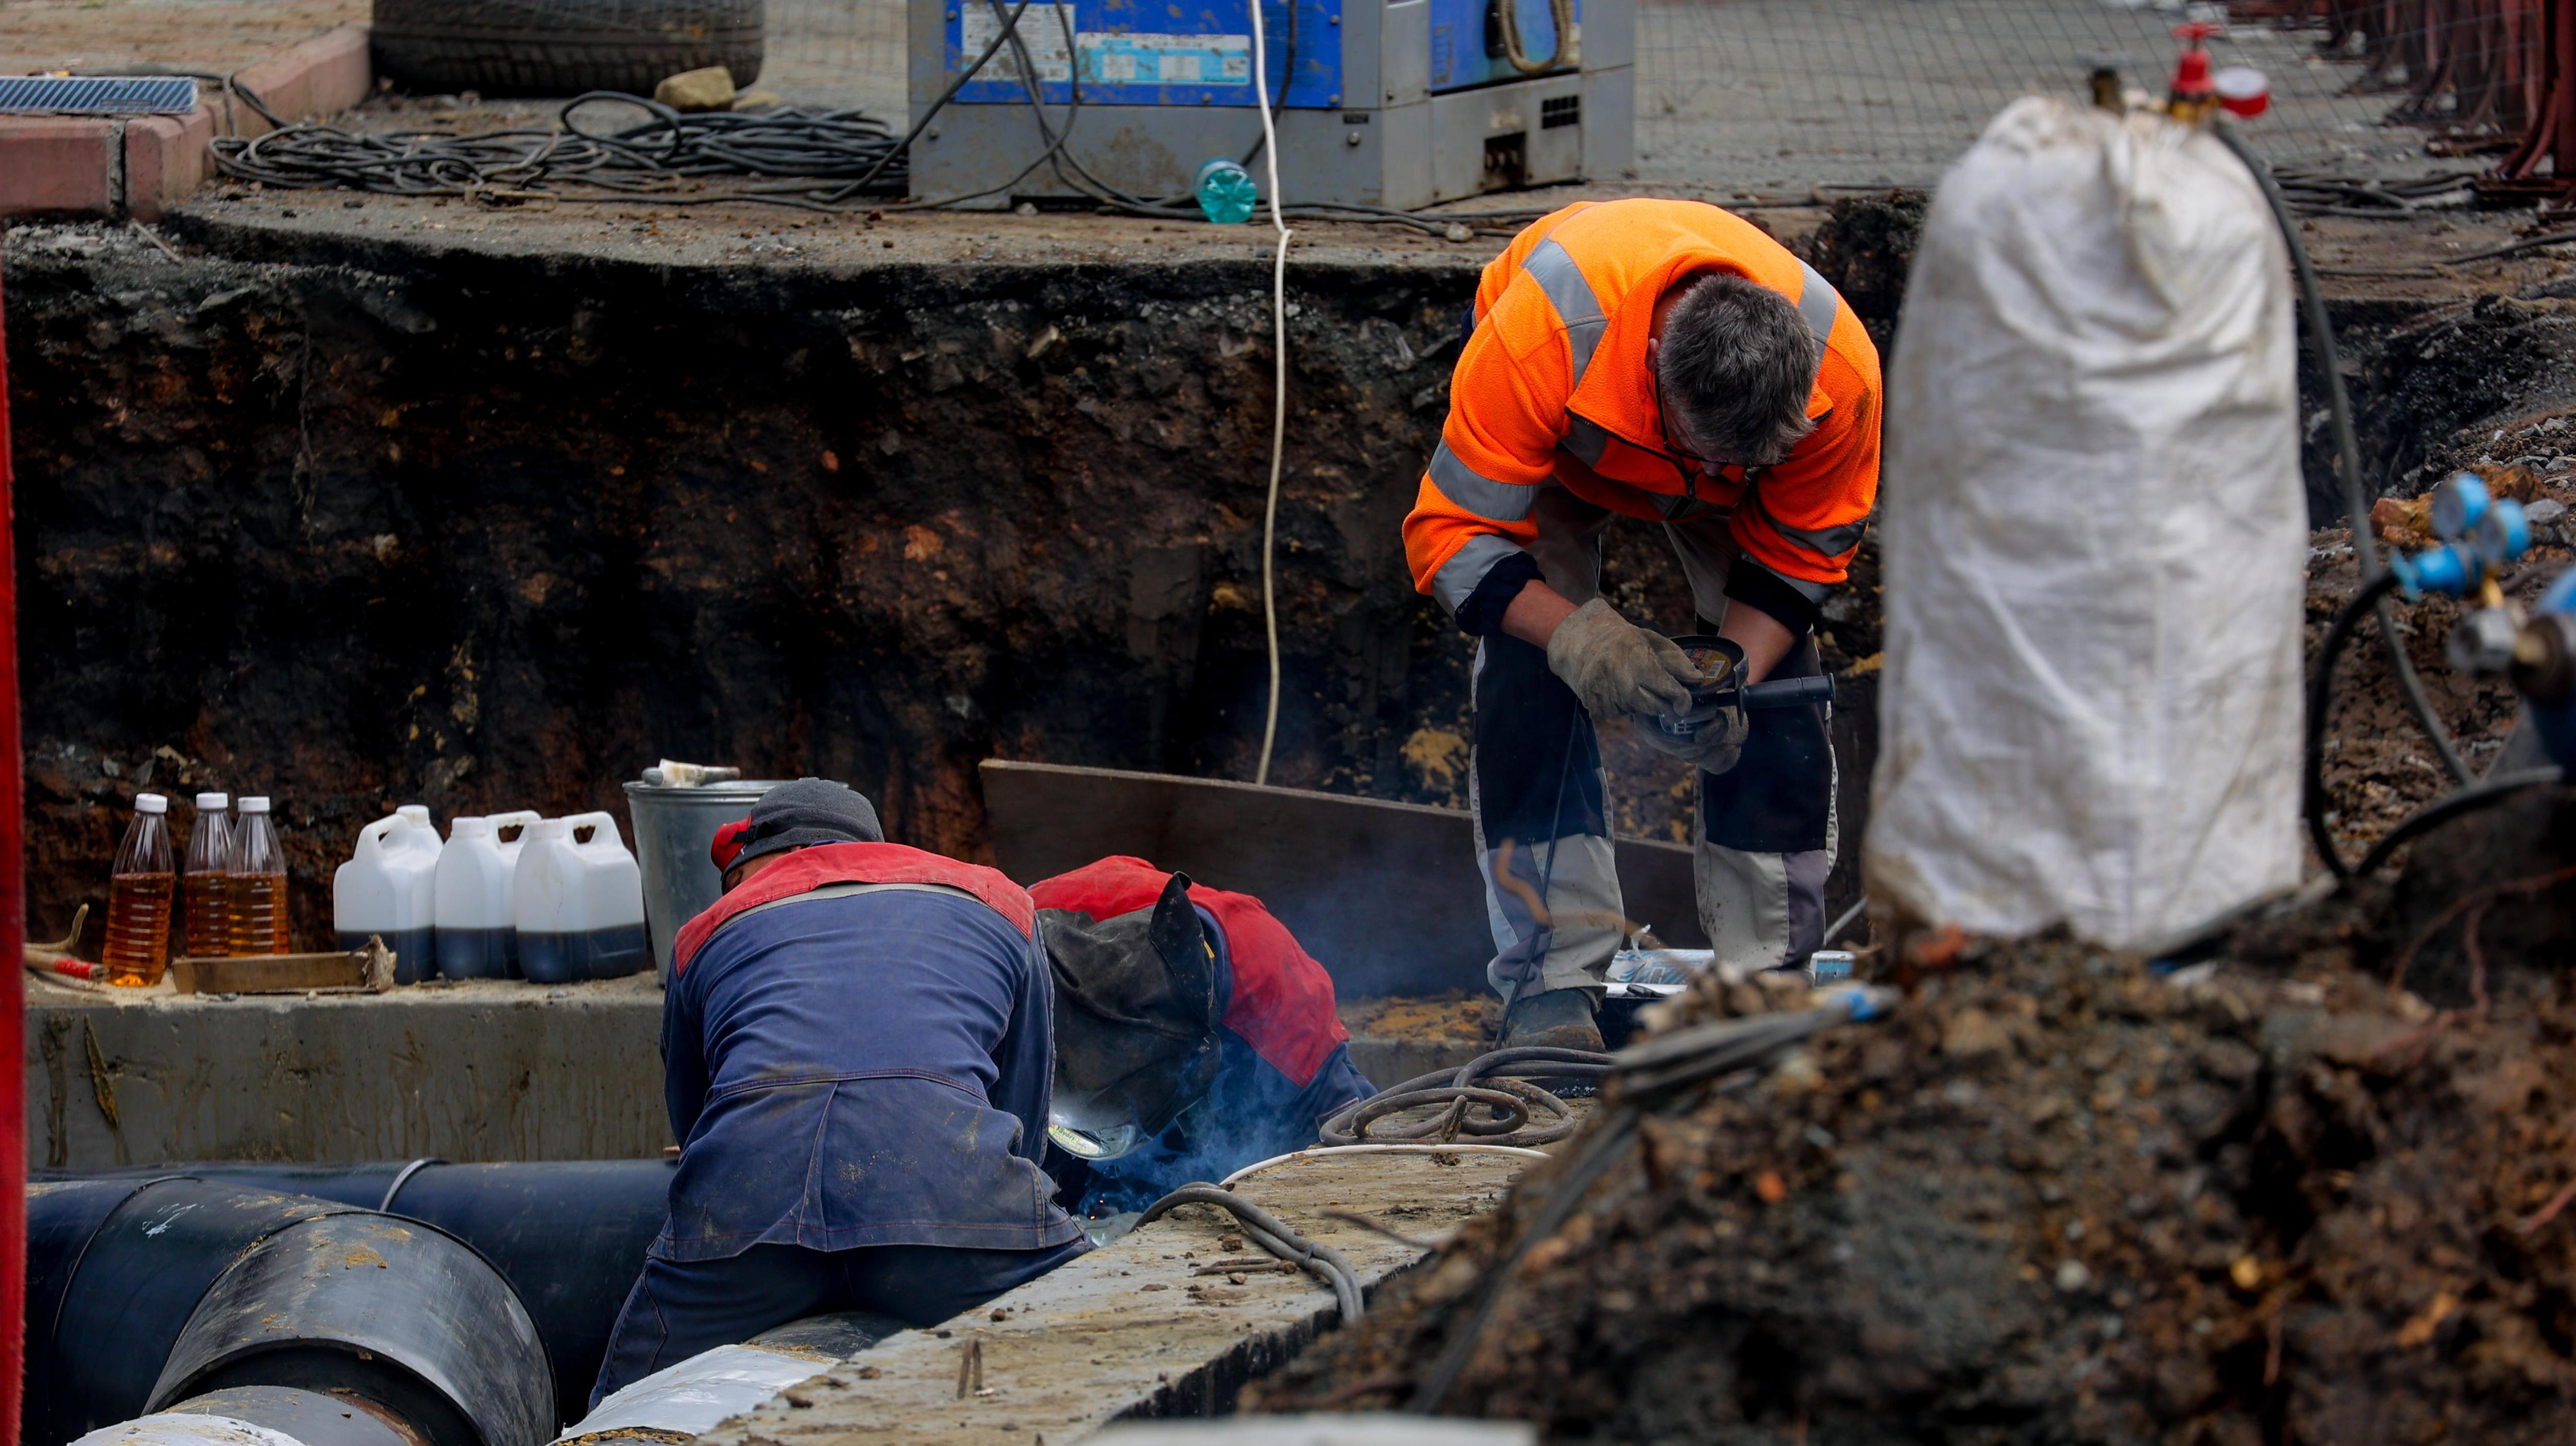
[(1135, 1022)]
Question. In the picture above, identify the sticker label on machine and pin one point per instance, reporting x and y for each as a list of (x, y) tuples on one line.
[(1130, 58), (1122, 52), (1042, 30)]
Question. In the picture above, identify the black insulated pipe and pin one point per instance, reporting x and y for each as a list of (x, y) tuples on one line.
[(146, 1292), (309, 1417), (568, 1235)]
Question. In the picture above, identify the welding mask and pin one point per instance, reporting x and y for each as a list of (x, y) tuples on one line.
[(1135, 1022)]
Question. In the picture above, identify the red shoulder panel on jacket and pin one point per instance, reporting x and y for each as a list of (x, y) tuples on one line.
[(1282, 1003), (809, 869)]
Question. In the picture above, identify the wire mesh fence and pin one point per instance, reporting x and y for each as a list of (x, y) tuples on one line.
[(1772, 96), (1766, 95)]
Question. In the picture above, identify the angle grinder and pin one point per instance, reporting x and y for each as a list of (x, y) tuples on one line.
[(1722, 663)]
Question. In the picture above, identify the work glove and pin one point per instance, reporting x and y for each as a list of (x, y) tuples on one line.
[(1709, 734), (1616, 667)]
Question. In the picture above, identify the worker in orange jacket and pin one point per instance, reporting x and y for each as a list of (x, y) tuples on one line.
[(1666, 361)]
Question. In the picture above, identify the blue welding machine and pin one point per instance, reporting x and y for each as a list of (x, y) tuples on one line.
[(1378, 104)]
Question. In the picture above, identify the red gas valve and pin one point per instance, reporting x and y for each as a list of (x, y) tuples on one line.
[(2191, 85)]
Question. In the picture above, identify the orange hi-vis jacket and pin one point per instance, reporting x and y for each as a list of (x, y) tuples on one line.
[(1553, 389)]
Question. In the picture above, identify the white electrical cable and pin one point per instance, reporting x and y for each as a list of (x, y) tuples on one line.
[(1323, 1152), (1279, 392)]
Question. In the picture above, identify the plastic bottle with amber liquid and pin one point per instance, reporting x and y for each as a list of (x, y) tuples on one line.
[(256, 875), (206, 887), (138, 897)]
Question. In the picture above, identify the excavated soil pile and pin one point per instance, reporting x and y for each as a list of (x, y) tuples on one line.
[(2060, 1196)]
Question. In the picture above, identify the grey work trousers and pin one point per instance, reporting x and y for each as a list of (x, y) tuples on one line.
[(1764, 835)]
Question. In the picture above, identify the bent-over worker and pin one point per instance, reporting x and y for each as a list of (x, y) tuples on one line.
[(1666, 361), (1194, 1036), (856, 1048)]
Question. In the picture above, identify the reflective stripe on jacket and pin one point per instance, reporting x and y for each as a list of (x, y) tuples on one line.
[(1553, 388), (808, 869)]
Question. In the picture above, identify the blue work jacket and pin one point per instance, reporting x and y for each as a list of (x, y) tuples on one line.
[(861, 1069)]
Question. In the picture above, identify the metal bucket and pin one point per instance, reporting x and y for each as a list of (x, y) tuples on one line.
[(673, 828)]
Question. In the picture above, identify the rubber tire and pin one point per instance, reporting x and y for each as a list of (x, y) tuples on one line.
[(562, 47)]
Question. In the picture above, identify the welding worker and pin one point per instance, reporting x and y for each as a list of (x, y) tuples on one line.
[(1666, 361), (1193, 1035), (856, 1049)]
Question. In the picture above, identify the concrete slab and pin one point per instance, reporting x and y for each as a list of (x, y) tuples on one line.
[(1148, 1325)]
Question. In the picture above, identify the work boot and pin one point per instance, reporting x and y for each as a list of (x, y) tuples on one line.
[(1557, 1019)]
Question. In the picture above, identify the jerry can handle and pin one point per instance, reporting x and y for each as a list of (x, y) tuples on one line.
[(603, 823), (522, 819)]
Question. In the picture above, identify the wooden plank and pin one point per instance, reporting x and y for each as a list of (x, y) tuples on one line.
[(370, 969), (1384, 894)]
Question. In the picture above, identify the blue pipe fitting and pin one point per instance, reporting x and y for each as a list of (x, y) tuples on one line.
[(2497, 533), (2448, 570), (2504, 533), (2544, 669), (2458, 505)]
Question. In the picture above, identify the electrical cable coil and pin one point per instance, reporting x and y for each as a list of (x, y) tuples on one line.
[(783, 143)]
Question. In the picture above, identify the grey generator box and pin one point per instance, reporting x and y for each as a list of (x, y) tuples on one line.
[(1378, 104)]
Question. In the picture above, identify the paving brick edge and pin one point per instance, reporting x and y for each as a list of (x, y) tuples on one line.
[(137, 168)]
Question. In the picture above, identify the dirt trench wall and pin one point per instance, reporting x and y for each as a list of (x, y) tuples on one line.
[(2437, 388), (378, 526), (358, 522)]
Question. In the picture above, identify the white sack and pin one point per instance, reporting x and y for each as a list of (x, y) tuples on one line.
[(2094, 540)]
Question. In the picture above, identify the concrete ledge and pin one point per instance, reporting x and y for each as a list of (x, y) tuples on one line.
[(477, 1071), (1132, 1329), (141, 167)]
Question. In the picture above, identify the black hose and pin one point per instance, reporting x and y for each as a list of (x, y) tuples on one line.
[(2313, 800), (1273, 1235), (1509, 1102), (1496, 1080), (2484, 794), (2347, 448)]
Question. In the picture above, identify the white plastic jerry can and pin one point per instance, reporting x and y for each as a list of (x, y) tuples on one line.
[(477, 927), (580, 906), (388, 889)]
